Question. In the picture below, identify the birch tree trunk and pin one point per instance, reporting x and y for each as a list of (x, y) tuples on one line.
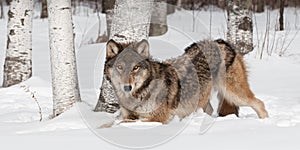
[(18, 63), (239, 25), (131, 20), (158, 24), (62, 55), (130, 23), (44, 12)]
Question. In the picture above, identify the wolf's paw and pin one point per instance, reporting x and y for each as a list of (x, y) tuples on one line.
[(127, 121), (106, 125)]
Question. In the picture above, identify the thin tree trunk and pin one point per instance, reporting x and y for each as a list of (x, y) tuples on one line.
[(103, 37), (171, 5), (8, 2), (18, 60), (44, 12), (73, 4), (107, 5), (108, 16), (222, 4), (240, 26), (98, 17), (178, 5), (260, 6), (107, 8), (281, 11), (158, 24), (2, 12), (62, 55), (130, 23)]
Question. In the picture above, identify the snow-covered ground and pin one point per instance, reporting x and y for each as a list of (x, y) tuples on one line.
[(273, 79)]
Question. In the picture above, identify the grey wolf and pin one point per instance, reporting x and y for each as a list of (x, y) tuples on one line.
[(157, 91)]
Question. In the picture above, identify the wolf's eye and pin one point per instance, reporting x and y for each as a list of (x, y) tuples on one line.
[(119, 67), (136, 68)]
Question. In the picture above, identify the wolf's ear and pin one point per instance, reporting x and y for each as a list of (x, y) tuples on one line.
[(142, 48), (112, 48)]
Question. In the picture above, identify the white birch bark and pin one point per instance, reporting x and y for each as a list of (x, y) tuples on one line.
[(131, 20), (62, 55), (18, 60), (239, 25), (130, 23)]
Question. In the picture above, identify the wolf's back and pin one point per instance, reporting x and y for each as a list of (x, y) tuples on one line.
[(206, 56)]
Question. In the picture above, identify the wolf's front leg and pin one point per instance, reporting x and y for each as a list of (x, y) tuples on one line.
[(163, 114), (128, 116)]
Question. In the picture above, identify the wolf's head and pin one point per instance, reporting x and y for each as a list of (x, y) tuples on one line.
[(128, 68)]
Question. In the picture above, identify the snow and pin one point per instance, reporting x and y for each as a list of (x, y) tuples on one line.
[(273, 79)]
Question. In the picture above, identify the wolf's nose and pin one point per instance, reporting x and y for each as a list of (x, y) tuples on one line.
[(127, 88)]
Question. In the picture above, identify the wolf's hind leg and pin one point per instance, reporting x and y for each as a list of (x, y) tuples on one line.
[(225, 107), (237, 90), (259, 108), (245, 97)]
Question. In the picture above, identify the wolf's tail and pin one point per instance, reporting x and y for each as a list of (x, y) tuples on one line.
[(230, 52), (226, 108)]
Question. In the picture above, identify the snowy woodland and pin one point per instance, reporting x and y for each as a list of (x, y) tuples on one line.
[(54, 93)]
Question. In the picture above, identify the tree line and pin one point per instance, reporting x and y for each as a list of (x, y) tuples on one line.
[(257, 5), (103, 5)]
